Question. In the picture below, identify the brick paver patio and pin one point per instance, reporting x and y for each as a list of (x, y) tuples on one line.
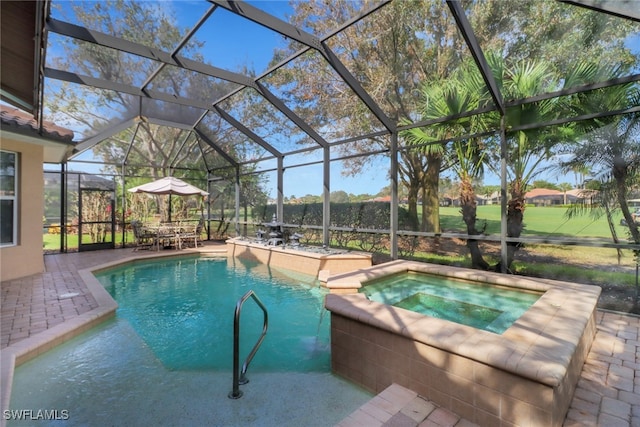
[(607, 395)]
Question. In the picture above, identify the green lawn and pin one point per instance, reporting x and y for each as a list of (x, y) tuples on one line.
[(52, 241), (538, 221)]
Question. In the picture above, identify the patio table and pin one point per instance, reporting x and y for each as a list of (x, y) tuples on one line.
[(168, 234)]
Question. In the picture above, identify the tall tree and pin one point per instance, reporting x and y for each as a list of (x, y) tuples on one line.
[(156, 149), (463, 92), (407, 42), (390, 53), (146, 148), (610, 151)]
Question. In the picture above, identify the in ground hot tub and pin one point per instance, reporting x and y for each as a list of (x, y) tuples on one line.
[(525, 375), (492, 308)]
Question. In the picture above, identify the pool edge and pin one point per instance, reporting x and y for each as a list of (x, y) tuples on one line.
[(16, 354)]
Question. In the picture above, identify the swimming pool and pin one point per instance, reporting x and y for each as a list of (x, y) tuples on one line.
[(491, 308), (119, 374), (183, 309)]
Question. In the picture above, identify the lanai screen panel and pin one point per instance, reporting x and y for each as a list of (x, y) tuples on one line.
[(141, 22), (214, 161), (304, 184), (229, 139), (266, 121), (309, 15), (360, 208), (161, 147), (304, 158), (100, 62), (188, 156), (113, 152), (435, 131), (279, 9), (173, 114), (263, 165), (214, 128), (575, 46), (304, 188), (85, 110), (236, 44), (316, 93), (260, 204), (359, 149), (393, 51), (198, 87), (363, 178)]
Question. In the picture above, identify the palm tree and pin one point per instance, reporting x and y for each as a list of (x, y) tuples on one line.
[(610, 150), (457, 95), (529, 147), (612, 153), (532, 145)]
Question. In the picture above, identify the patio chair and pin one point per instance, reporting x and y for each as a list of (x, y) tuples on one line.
[(169, 236), (191, 236), (143, 237)]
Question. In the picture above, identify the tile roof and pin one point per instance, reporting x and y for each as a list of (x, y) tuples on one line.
[(13, 119), (542, 192)]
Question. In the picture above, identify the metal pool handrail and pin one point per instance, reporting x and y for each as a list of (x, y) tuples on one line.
[(239, 376)]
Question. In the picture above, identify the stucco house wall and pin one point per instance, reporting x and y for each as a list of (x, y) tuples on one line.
[(26, 257), (35, 144)]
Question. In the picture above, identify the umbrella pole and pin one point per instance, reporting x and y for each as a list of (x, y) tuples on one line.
[(169, 207)]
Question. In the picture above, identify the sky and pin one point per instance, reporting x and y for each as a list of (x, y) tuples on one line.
[(231, 46)]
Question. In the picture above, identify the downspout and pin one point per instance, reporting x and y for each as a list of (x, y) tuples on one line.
[(40, 48)]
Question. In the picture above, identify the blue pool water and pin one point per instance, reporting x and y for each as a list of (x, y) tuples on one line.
[(492, 308), (172, 366), (184, 310)]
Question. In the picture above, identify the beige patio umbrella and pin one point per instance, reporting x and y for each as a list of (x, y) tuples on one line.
[(171, 186)]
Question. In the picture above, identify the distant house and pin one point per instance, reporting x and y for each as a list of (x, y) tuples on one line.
[(488, 199), (448, 200), (634, 203), (385, 199), (544, 197), (481, 199), (548, 197), (583, 196)]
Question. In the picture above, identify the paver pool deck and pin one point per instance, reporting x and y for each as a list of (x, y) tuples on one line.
[(36, 308)]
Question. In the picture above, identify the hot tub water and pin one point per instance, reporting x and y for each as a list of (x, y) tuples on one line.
[(487, 307)]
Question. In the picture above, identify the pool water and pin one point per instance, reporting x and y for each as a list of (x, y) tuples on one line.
[(491, 308), (184, 310), (119, 373)]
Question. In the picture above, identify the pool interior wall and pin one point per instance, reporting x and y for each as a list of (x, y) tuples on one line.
[(524, 377)]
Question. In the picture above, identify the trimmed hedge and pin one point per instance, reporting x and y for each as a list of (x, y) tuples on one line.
[(369, 215)]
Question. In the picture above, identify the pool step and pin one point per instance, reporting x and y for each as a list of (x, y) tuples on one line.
[(399, 406)]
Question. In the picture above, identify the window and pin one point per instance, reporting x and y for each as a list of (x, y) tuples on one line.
[(8, 198)]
